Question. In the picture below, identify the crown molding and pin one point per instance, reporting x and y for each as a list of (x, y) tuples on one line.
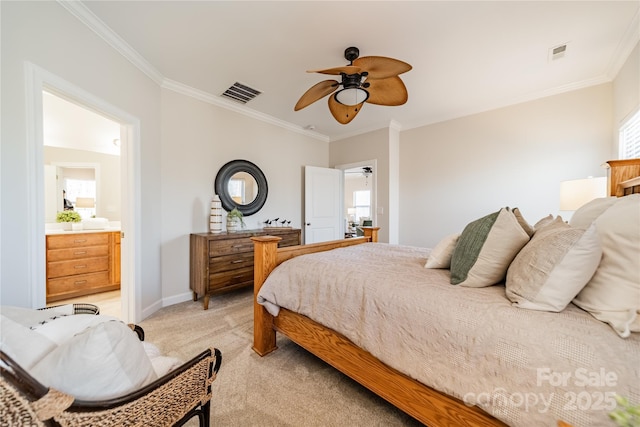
[(88, 18), (625, 47), (241, 109)]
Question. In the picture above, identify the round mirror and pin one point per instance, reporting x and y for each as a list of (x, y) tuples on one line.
[(242, 185)]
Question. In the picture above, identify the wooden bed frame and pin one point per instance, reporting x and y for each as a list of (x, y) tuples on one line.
[(425, 404), (421, 402)]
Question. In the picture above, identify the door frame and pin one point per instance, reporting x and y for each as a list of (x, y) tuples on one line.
[(37, 80), (373, 180)]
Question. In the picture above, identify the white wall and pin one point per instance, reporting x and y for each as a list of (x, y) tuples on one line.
[(626, 95), (46, 35), (370, 146), (199, 138), (456, 171)]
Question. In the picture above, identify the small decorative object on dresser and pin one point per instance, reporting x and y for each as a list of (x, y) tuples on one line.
[(224, 262), (215, 216), (234, 220)]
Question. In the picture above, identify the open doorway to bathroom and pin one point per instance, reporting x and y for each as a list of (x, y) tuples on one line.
[(82, 170)]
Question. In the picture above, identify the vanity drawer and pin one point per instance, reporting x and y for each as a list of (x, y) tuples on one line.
[(76, 284), (77, 240), (230, 246), (74, 267), (77, 253)]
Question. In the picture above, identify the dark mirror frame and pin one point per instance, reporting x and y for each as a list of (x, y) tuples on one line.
[(222, 186)]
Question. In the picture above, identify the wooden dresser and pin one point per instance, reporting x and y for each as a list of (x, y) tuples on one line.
[(224, 261), (82, 264)]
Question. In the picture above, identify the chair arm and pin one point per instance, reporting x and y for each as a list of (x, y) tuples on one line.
[(163, 402)]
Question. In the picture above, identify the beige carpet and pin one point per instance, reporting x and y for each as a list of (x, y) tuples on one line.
[(289, 387)]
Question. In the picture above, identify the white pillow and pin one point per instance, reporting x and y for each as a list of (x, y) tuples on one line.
[(587, 213), (23, 345), (613, 293), (485, 249), (61, 329), (553, 267), (440, 256), (102, 362), (162, 365)]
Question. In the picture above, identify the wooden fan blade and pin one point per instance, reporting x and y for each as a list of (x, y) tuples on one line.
[(315, 92), (347, 69), (390, 91), (343, 113), (380, 67)]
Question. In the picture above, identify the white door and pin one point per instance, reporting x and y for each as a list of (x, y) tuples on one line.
[(323, 217)]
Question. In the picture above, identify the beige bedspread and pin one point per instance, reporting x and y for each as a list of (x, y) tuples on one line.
[(524, 367)]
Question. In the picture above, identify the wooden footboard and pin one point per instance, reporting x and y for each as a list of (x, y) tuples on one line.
[(423, 403)]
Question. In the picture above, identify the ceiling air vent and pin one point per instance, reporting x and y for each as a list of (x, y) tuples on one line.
[(241, 93), (557, 52)]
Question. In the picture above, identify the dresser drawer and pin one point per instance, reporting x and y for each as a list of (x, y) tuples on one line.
[(77, 253), (231, 262), (289, 239), (79, 283), (240, 277), (230, 246), (77, 240), (80, 266)]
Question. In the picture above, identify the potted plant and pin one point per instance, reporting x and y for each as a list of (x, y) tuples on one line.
[(71, 218), (234, 220)]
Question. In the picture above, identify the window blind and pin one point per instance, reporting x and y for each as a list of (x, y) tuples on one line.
[(630, 138)]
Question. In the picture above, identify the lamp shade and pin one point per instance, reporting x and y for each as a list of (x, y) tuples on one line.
[(577, 192), (85, 202)]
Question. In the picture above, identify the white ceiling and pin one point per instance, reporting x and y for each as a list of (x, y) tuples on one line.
[(467, 57)]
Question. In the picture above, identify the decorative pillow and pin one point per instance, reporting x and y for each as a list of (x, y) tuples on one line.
[(103, 362), (544, 221), (440, 256), (61, 329), (587, 213), (485, 249), (523, 222), (613, 293), (553, 267), (22, 344)]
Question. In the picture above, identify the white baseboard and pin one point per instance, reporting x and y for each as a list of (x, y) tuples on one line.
[(175, 299)]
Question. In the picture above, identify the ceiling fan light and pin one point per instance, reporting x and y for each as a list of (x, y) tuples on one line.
[(352, 96)]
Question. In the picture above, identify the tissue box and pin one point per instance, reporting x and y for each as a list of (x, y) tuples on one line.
[(95, 223)]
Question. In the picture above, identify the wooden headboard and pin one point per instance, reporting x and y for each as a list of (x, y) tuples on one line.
[(622, 174)]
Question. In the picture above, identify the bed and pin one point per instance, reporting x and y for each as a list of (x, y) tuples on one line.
[(590, 362)]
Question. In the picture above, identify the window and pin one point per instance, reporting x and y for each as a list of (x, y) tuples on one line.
[(630, 138), (236, 190), (362, 204)]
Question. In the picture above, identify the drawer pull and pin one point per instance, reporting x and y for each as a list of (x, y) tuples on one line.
[(80, 252), (238, 277), (237, 261), (79, 282), (80, 266), (79, 240)]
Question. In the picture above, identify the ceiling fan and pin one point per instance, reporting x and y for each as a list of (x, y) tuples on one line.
[(372, 79)]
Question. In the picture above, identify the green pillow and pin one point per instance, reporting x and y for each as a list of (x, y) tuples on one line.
[(485, 249)]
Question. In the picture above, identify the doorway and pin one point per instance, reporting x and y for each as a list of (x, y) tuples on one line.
[(39, 81), (82, 162), (360, 195)]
